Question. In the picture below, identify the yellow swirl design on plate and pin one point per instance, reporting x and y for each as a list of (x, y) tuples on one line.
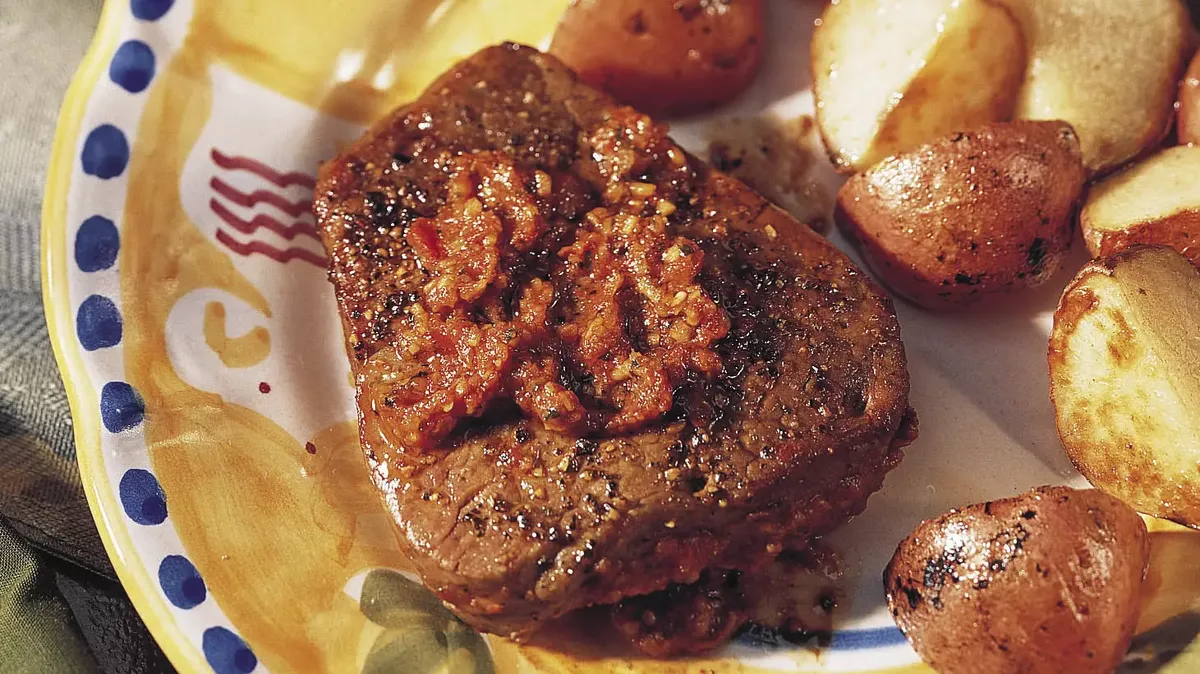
[(244, 351)]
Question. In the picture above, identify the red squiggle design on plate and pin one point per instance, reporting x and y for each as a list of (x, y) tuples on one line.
[(262, 170), (292, 208), (251, 247), (263, 221)]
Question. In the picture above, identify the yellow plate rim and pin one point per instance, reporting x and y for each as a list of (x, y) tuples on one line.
[(142, 590)]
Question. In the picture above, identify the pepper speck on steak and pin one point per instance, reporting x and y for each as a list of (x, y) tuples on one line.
[(587, 365)]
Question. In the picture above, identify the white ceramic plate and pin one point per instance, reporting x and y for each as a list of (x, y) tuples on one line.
[(186, 293)]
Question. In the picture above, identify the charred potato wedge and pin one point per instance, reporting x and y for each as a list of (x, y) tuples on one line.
[(1110, 68), (1045, 582), (1123, 378), (970, 215), (1156, 201), (664, 57), (889, 75)]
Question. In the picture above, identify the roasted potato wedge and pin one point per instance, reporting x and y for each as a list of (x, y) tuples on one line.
[(1110, 68), (889, 75), (970, 215), (1155, 201), (664, 57), (1123, 378), (1045, 582), (1189, 104), (1169, 590)]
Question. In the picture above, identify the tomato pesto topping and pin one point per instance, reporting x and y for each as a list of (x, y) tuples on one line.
[(593, 338)]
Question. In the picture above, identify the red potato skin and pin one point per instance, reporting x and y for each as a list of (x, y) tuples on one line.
[(1180, 231), (665, 57), (972, 215), (1189, 104), (1045, 582)]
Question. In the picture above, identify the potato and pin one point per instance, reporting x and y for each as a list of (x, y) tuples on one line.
[(970, 215), (1189, 104), (1048, 581), (664, 57), (1156, 201), (1110, 68), (889, 75), (1172, 587), (1123, 379)]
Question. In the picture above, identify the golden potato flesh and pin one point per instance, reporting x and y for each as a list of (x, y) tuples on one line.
[(1124, 380), (889, 75), (1155, 201), (664, 57), (1189, 104), (1045, 582), (971, 215), (1110, 68)]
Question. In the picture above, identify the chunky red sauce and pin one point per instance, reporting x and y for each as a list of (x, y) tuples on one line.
[(598, 343)]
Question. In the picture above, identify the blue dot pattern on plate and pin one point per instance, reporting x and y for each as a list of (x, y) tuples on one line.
[(142, 497), (121, 408), (181, 582), (132, 66), (150, 10), (226, 652), (96, 244), (105, 152), (98, 323)]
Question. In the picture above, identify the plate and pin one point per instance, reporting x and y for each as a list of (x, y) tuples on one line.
[(198, 339)]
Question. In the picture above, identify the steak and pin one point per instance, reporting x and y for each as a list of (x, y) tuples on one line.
[(588, 366)]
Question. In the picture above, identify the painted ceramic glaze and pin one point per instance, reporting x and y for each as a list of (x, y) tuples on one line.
[(198, 338)]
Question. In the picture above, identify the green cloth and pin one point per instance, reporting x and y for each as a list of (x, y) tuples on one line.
[(39, 631), (41, 44)]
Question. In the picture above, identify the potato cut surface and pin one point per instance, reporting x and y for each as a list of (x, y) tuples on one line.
[(1155, 201), (1108, 67), (1126, 390), (889, 75)]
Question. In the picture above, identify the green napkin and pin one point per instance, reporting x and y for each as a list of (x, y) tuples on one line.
[(39, 632)]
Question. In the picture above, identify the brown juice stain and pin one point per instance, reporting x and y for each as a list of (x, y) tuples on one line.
[(584, 643), (798, 592), (274, 530), (775, 157), (341, 501), (244, 351)]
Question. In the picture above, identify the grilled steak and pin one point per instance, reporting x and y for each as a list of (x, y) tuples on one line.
[(587, 365)]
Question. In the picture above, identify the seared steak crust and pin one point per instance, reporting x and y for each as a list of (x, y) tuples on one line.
[(779, 422)]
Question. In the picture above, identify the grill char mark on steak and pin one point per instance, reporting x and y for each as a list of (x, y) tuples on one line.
[(512, 523)]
